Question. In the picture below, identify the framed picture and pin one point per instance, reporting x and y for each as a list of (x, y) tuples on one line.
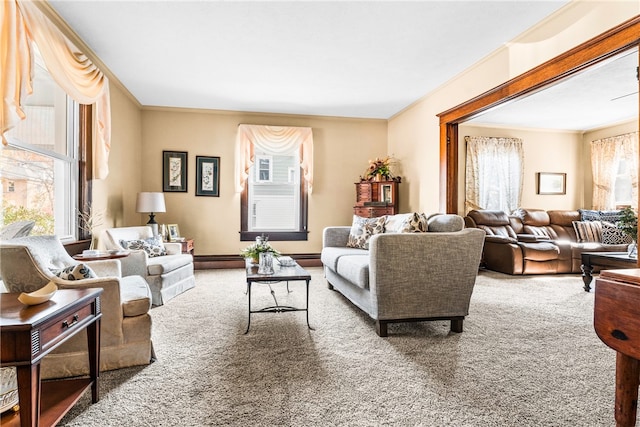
[(386, 193), (552, 183), (174, 171), (173, 231), (207, 176)]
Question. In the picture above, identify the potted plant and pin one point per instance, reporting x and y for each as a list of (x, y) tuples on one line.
[(254, 250), (379, 169), (628, 223)]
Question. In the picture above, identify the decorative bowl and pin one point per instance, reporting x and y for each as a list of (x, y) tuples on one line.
[(38, 297)]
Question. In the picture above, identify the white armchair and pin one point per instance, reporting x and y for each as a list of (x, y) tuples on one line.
[(29, 263), (167, 275)]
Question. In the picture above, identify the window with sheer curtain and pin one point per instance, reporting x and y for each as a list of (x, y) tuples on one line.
[(494, 173), (614, 165)]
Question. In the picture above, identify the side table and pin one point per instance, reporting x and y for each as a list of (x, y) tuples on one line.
[(187, 246), (28, 333)]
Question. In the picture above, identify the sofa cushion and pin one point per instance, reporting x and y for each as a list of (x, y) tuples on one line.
[(135, 296), (165, 264), (588, 231), (612, 235), (362, 229), (153, 247), (330, 255), (355, 269), (540, 251), (75, 272)]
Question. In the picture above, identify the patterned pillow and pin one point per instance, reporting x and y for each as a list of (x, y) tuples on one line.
[(415, 223), (589, 215), (74, 272), (151, 246), (362, 229), (610, 216), (612, 235), (588, 231)]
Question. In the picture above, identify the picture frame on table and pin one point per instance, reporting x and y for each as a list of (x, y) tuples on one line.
[(386, 193), (173, 232), (208, 176), (552, 183), (174, 171)]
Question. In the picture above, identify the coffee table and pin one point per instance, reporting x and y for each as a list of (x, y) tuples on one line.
[(604, 260), (280, 274)]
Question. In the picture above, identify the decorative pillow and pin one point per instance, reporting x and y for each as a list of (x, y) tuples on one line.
[(612, 235), (362, 229), (588, 231), (153, 247), (610, 216), (74, 272), (415, 223), (589, 215), (395, 223)]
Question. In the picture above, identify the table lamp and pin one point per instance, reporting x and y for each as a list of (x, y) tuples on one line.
[(151, 203)]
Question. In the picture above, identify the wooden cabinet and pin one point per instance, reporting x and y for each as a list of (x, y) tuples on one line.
[(376, 198)]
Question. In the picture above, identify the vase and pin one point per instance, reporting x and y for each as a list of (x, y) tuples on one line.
[(632, 250), (266, 263), (378, 177)]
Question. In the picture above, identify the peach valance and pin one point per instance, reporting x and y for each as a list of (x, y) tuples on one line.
[(276, 139), (22, 24)]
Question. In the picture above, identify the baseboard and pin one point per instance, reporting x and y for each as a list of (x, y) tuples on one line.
[(208, 262)]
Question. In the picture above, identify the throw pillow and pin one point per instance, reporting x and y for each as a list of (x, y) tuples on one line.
[(74, 272), (589, 215), (415, 223), (588, 231), (151, 246), (362, 229), (612, 235), (610, 216)]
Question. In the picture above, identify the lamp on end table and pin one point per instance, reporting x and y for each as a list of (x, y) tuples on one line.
[(151, 203)]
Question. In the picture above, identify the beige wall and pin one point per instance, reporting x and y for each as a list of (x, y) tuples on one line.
[(115, 196), (414, 132), (544, 151), (342, 148)]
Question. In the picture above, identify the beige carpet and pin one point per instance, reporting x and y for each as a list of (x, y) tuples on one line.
[(528, 357)]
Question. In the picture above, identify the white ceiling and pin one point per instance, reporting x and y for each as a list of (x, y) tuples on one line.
[(367, 59)]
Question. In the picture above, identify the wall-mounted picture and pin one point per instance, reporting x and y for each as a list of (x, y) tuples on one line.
[(174, 171), (174, 232), (552, 183), (207, 176)]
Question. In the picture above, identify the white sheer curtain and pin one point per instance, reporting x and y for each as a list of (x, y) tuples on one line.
[(606, 154), (278, 139), (494, 173), (23, 24)]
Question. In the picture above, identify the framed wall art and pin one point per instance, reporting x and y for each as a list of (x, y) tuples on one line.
[(174, 171), (552, 183), (207, 176)]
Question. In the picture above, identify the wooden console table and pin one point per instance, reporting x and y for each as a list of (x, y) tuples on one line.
[(616, 319), (28, 333)]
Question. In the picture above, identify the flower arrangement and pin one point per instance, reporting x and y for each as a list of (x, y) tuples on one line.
[(254, 250), (628, 223), (379, 168), (89, 221)]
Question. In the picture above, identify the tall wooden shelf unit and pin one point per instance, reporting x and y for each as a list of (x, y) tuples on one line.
[(376, 198)]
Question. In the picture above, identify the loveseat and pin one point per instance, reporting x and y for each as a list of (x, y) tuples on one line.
[(535, 241), (166, 269), (402, 274)]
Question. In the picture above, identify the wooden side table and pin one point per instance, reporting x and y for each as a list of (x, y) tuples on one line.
[(187, 246), (28, 333)]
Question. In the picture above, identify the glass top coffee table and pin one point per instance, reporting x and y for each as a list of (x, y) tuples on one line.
[(281, 274)]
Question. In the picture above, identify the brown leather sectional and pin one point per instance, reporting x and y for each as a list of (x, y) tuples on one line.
[(533, 241)]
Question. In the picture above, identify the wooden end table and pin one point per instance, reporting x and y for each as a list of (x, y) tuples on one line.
[(28, 333), (604, 260), (280, 274)]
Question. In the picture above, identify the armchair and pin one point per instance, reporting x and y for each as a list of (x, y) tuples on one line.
[(26, 265), (167, 275)]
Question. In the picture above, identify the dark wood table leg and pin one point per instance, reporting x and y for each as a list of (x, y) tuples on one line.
[(587, 269), (249, 311), (93, 339), (627, 381), (307, 307), (29, 394)]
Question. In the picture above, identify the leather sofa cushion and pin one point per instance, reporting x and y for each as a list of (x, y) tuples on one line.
[(164, 264), (533, 217), (541, 251), (135, 296), (489, 218)]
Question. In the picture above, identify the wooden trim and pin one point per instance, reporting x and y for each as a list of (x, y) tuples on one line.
[(206, 262), (599, 48)]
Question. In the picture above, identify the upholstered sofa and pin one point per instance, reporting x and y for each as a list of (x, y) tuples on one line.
[(535, 241), (168, 275), (29, 263), (406, 276)]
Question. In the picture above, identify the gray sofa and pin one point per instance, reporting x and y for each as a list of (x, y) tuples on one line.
[(406, 277)]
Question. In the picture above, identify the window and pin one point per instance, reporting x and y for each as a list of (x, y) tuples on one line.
[(263, 168), (39, 166), (614, 165)]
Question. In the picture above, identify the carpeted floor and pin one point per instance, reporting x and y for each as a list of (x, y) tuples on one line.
[(528, 357)]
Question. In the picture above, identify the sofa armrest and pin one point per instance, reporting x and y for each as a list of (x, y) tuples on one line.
[(335, 236), (135, 264), (532, 238), (494, 238)]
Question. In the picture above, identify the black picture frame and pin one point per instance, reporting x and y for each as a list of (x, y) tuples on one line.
[(208, 176), (174, 171), (552, 183)]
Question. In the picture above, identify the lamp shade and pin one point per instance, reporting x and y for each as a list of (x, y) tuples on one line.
[(150, 202)]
